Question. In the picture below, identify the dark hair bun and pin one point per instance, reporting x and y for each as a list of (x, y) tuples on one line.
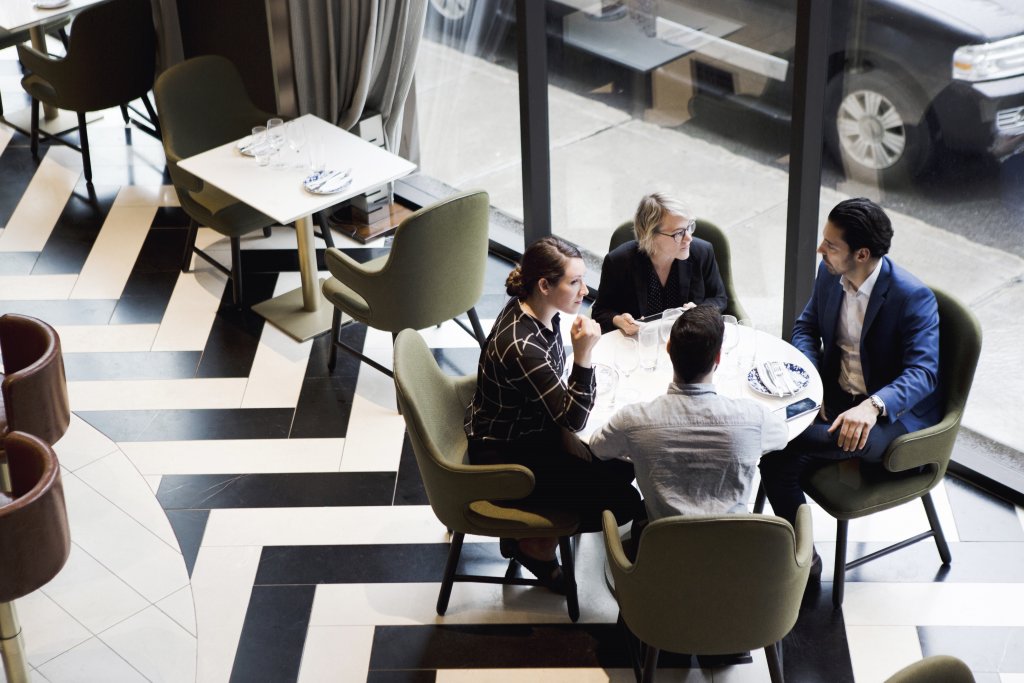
[(514, 283)]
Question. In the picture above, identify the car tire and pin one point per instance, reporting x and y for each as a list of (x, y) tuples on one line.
[(875, 128), (474, 27)]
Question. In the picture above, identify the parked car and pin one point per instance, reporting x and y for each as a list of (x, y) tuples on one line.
[(904, 76)]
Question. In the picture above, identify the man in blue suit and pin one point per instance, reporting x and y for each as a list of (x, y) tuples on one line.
[(872, 330)]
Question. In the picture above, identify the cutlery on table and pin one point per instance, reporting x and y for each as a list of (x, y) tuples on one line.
[(326, 177), (783, 372)]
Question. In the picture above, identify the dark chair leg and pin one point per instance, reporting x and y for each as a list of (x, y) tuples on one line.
[(124, 114), (62, 33), (774, 661), (268, 231), (478, 329), (325, 228), (759, 499), (236, 271), (335, 334), (450, 567), (84, 135), (152, 115), (839, 573), (569, 572), (35, 128), (631, 647), (650, 664), (190, 244), (933, 520)]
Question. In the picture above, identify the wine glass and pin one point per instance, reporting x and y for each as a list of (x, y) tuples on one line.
[(730, 339), (668, 319), (276, 138), (295, 132), (627, 360)]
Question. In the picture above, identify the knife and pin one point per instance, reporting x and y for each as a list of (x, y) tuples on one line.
[(768, 379), (783, 372)]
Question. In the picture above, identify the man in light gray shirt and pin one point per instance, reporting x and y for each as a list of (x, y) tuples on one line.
[(694, 452)]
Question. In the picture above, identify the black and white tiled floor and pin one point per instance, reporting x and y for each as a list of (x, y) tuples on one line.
[(240, 514)]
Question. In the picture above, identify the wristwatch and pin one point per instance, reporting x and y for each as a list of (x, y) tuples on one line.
[(877, 403)]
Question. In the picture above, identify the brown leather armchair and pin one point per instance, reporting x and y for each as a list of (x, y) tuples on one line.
[(34, 388), (34, 537)]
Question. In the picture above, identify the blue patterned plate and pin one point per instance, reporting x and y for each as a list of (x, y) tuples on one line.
[(797, 375)]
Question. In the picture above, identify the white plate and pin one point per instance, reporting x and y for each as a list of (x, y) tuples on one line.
[(797, 375), (316, 184), (50, 4)]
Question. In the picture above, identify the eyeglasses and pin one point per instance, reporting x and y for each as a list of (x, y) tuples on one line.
[(678, 235)]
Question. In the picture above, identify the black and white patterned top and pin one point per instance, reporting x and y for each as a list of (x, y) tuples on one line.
[(520, 387), (661, 298)]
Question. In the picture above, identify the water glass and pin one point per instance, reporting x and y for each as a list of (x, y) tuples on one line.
[(627, 360), (730, 340), (668, 319), (650, 345), (276, 138), (295, 132), (607, 380), (260, 148), (747, 353), (317, 157)]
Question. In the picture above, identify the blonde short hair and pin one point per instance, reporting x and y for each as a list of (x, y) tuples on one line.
[(649, 214)]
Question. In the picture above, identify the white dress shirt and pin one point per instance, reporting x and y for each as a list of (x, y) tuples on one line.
[(848, 331)]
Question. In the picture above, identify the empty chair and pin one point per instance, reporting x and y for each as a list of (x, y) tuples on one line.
[(111, 60), (34, 538), (434, 272), (914, 463), (203, 104), (706, 230), (935, 669), (34, 389), (712, 585), (469, 499)]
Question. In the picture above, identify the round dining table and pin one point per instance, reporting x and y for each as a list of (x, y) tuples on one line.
[(753, 349)]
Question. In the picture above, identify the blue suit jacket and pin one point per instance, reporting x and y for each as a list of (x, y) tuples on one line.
[(899, 345)]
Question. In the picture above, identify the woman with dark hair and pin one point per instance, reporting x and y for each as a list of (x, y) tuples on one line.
[(664, 267), (526, 409)]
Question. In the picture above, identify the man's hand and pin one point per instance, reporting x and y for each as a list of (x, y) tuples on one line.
[(585, 334), (626, 323), (854, 425)]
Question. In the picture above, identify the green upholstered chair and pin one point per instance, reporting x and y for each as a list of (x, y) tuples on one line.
[(712, 585), (434, 272), (936, 669), (203, 104), (914, 463), (99, 71), (468, 498), (723, 256)]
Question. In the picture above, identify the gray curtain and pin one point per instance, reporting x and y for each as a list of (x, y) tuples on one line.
[(168, 34), (352, 56)]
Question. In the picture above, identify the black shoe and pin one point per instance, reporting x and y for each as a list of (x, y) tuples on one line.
[(718, 661), (815, 574), (547, 571)]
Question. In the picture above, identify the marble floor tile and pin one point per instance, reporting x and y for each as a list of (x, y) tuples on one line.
[(82, 444), (279, 367), (91, 662), (190, 312), (100, 338), (373, 442), (36, 214), (47, 629), (339, 653), (114, 252), (180, 607), (157, 394), (155, 645), (235, 456), (36, 287), (934, 604), (879, 651)]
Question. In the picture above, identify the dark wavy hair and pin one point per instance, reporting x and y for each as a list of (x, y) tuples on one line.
[(695, 341), (864, 224), (546, 259)]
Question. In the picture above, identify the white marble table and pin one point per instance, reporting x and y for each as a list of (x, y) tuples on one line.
[(302, 313), (644, 385), (18, 15)]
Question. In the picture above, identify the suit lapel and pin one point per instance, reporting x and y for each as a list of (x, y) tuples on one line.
[(830, 317), (878, 296)]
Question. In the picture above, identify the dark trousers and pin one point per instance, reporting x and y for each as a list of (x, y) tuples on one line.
[(782, 471), (563, 479)]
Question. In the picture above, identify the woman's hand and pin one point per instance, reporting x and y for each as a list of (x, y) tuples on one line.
[(688, 305), (585, 334), (626, 323)]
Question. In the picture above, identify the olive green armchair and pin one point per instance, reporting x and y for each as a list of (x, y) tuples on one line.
[(99, 71), (938, 668), (706, 230), (434, 272), (913, 464), (712, 585), (469, 499), (203, 104)]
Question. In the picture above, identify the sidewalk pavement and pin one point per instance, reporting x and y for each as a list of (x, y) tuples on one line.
[(603, 161)]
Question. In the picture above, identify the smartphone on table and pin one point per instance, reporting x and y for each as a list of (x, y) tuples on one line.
[(801, 407)]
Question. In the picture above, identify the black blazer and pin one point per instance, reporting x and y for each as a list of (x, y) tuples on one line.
[(623, 287)]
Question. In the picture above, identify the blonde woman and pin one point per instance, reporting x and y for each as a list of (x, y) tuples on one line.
[(666, 266)]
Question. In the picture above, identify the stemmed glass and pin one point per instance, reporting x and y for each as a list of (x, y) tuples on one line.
[(276, 138), (296, 135), (627, 360), (730, 339)]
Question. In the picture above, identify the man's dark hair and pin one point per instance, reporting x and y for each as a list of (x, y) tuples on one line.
[(695, 342), (864, 224)]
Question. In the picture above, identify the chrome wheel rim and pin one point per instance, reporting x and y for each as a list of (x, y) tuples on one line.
[(452, 10), (871, 130)]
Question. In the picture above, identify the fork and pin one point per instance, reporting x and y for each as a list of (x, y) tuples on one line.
[(782, 371)]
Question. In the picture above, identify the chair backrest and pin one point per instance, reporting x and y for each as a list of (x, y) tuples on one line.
[(932, 669), (712, 584), (434, 407), (34, 388), (959, 350), (202, 103), (436, 267), (723, 256), (34, 536), (112, 52)]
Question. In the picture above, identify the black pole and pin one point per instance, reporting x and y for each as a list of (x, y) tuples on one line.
[(809, 79), (531, 39)]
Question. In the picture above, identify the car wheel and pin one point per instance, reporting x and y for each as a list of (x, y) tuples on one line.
[(451, 10), (876, 130)]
